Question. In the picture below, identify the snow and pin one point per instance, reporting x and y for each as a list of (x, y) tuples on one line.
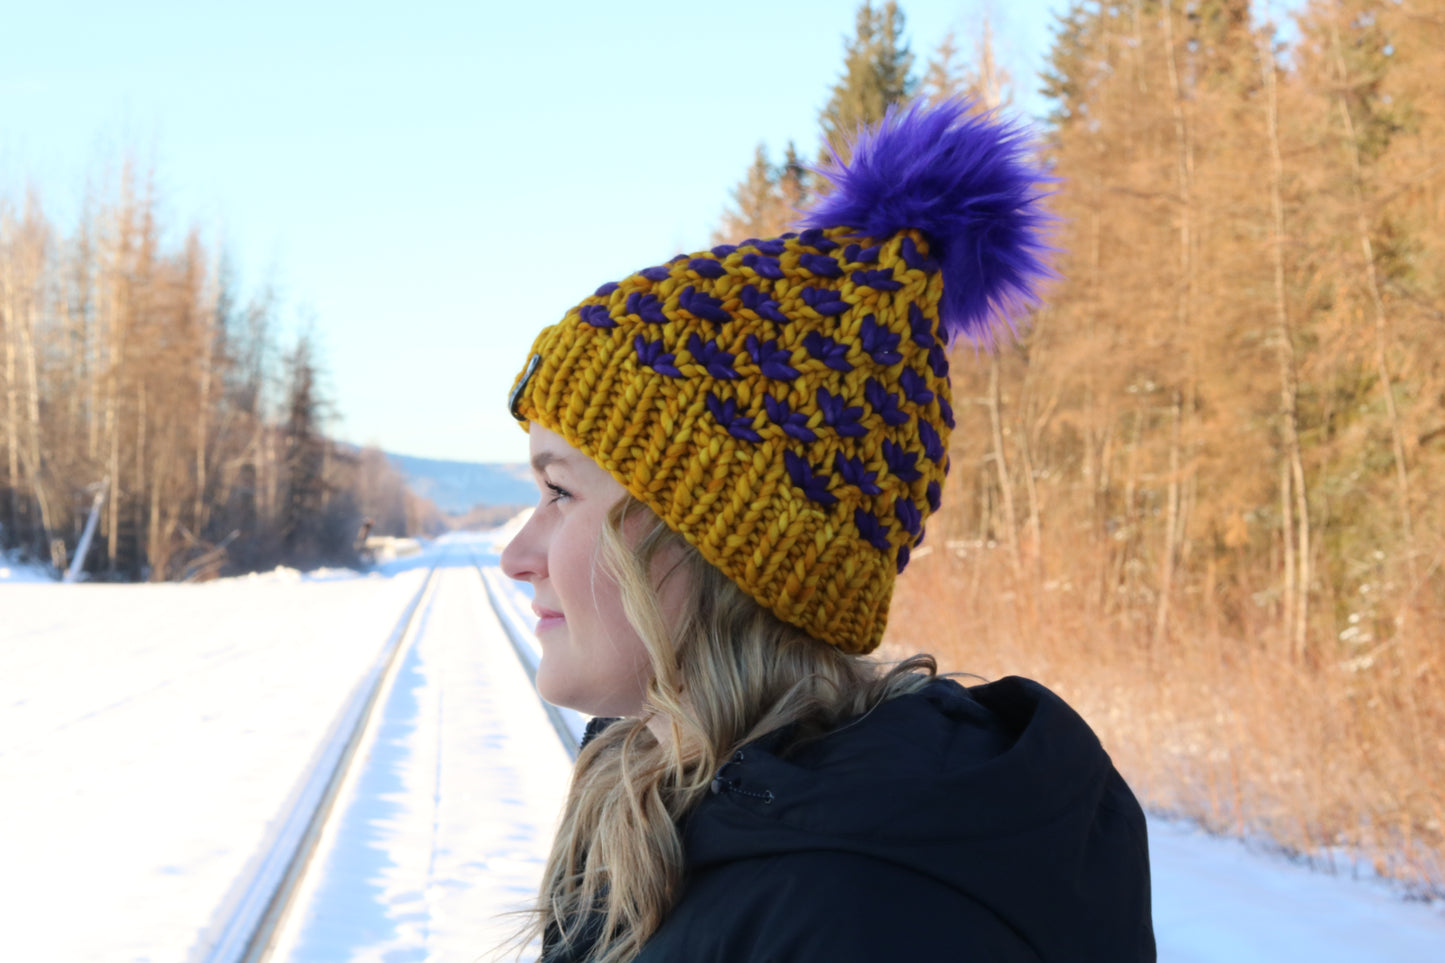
[(152, 736), (1217, 900), (148, 736), (12, 570)]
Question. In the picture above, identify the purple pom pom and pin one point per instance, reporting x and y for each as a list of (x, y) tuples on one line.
[(969, 185)]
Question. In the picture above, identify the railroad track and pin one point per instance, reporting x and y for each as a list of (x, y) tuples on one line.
[(263, 899), (265, 896)]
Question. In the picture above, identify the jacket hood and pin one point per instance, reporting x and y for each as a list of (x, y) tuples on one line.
[(999, 791)]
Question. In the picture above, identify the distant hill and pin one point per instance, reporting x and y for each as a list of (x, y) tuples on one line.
[(457, 487)]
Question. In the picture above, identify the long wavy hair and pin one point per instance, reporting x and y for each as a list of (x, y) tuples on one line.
[(727, 672)]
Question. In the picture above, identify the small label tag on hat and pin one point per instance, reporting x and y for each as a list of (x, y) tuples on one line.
[(516, 394)]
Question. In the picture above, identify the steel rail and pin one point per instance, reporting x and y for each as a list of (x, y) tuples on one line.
[(568, 724), (259, 904)]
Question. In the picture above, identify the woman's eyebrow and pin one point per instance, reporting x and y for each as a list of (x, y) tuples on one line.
[(544, 458)]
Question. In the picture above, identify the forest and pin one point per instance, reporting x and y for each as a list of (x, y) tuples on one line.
[(137, 377), (1203, 494)]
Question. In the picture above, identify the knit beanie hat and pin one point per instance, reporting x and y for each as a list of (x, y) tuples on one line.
[(784, 404)]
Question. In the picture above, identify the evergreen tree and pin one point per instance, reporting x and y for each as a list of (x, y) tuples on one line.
[(754, 200), (950, 74), (1074, 63), (766, 201), (792, 182), (1220, 36), (944, 75), (304, 460), (876, 74), (1367, 235)]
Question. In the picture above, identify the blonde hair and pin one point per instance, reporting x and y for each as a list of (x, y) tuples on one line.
[(728, 672)]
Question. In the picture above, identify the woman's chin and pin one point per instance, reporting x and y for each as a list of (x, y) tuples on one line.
[(548, 686), (554, 685), (558, 687)]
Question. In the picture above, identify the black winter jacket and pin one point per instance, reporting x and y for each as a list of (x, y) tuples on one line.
[(982, 824)]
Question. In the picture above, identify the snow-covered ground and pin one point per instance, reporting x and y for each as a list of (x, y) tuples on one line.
[(1215, 900), (14, 571), (447, 824), (150, 737)]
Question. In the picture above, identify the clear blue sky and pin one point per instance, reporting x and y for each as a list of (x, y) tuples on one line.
[(431, 183)]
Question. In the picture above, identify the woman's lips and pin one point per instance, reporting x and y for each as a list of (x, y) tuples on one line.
[(547, 619)]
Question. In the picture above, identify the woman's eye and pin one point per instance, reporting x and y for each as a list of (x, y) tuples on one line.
[(556, 493)]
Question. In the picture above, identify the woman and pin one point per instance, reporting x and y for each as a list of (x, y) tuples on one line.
[(737, 451)]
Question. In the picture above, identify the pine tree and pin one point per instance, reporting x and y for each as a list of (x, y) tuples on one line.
[(792, 183), (767, 200), (1072, 67), (1370, 174), (1220, 35), (752, 213), (984, 80), (877, 73), (304, 460), (944, 76)]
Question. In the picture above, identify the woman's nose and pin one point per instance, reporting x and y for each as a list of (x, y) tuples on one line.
[(521, 559)]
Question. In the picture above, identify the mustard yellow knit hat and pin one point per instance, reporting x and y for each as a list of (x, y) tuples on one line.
[(784, 404)]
